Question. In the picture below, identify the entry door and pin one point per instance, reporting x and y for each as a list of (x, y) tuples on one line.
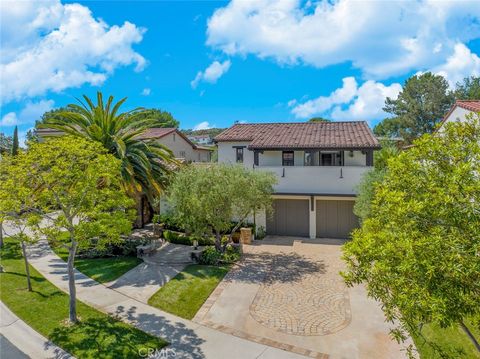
[(335, 219), (290, 218)]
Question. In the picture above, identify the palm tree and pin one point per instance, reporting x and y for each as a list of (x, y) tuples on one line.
[(146, 164)]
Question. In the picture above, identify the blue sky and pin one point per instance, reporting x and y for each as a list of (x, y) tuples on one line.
[(212, 63)]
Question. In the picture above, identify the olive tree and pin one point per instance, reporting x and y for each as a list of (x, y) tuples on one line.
[(208, 198), (419, 251), (77, 189)]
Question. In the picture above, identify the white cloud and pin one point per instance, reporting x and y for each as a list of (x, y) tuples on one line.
[(31, 112), (350, 102), (146, 92), (212, 73), (382, 38), (60, 46), (202, 126), (462, 63)]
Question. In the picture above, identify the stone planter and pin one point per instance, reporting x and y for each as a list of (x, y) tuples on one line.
[(246, 235), (158, 229)]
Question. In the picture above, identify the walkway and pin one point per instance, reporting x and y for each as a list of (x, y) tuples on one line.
[(19, 341), (188, 339)]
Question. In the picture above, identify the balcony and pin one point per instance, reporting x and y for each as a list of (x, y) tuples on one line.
[(317, 179)]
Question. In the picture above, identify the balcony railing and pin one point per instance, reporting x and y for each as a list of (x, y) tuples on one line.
[(317, 179)]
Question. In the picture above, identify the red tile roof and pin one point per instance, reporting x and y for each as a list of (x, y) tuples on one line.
[(323, 135), (157, 132), (471, 105)]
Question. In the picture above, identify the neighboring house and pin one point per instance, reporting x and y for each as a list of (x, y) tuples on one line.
[(318, 166), (201, 139), (460, 110), (179, 144)]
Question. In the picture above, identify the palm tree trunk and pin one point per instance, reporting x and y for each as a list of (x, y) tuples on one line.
[(71, 283), (27, 268)]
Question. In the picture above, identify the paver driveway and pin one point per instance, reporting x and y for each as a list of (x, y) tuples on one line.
[(287, 292)]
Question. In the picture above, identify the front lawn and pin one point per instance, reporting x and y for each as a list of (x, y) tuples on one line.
[(46, 310), (186, 293), (452, 342), (102, 270)]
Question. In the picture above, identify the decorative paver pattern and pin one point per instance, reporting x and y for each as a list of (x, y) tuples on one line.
[(317, 303)]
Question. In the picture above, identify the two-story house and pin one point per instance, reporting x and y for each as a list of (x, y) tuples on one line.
[(318, 167)]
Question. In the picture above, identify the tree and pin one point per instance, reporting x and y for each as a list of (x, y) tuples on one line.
[(15, 142), (208, 198), (319, 119), (79, 181), (30, 137), (469, 89), (146, 164), (163, 118), (6, 143), (419, 107), (418, 252), (370, 180), (16, 206)]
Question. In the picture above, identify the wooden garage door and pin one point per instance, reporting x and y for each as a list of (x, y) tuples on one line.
[(289, 218), (335, 219)]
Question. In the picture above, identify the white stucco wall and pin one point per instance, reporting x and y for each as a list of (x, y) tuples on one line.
[(227, 153), (358, 159), (458, 115)]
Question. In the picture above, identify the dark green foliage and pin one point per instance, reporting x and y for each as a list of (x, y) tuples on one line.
[(182, 238), (210, 256), (420, 106), (5, 143), (15, 144), (163, 118), (319, 119), (469, 89)]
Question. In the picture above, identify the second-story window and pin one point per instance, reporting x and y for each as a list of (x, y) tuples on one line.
[(182, 154), (288, 158), (239, 155), (309, 158)]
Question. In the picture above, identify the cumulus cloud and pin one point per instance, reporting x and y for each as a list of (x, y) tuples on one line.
[(205, 125), (462, 63), (382, 38), (31, 112), (60, 46), (351, 101), (212, 73), (146, 92)]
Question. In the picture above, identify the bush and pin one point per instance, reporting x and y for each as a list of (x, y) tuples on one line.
[(126, 247), (210, 256), (169, 221), (182, 238), (260, 233)]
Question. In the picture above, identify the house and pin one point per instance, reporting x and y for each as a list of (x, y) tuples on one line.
[(179, 144), (318, 166), (460, 110), (201, 139)]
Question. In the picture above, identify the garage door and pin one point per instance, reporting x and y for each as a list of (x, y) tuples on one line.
[(335, 219), (289, 218)]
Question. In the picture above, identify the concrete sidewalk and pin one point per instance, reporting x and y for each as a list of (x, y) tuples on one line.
[(21, 341), (188, 339)]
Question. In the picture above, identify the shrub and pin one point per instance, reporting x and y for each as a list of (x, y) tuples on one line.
[(182, 238), (260, 233), (210, 256), (169, 221), (125, 247)]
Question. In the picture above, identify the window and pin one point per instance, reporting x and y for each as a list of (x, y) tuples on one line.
[(287, 158), (309, 158), (239, 154), (326, 159), (182, 154)]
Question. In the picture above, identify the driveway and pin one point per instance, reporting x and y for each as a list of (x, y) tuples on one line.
[(287, 293)]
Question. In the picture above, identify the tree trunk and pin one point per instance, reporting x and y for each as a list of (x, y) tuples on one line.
[(470, 335), (1, 234), (218, 241), (71, 282), (27, 268), (139, 205)]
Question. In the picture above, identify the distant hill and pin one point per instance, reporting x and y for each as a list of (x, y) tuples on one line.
[(212, 132)]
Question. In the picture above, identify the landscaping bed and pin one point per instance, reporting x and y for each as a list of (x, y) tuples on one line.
[(185, 294), (46, 310)]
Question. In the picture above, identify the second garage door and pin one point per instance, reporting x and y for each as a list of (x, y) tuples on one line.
[(335, 219), (289, 218)]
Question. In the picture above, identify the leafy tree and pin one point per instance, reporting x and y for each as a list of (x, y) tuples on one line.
[(420, 106), (15, 142), (469, 89), (207, 198), (146, 164), (16, 204), (163, 118), (6, 143), (319, 119), (31, 137), (370, 180), (79, 181), (418, 252)]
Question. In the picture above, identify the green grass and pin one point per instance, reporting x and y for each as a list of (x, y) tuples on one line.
[(102, 270), (186, 293), (447, 343), (46, 310)]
